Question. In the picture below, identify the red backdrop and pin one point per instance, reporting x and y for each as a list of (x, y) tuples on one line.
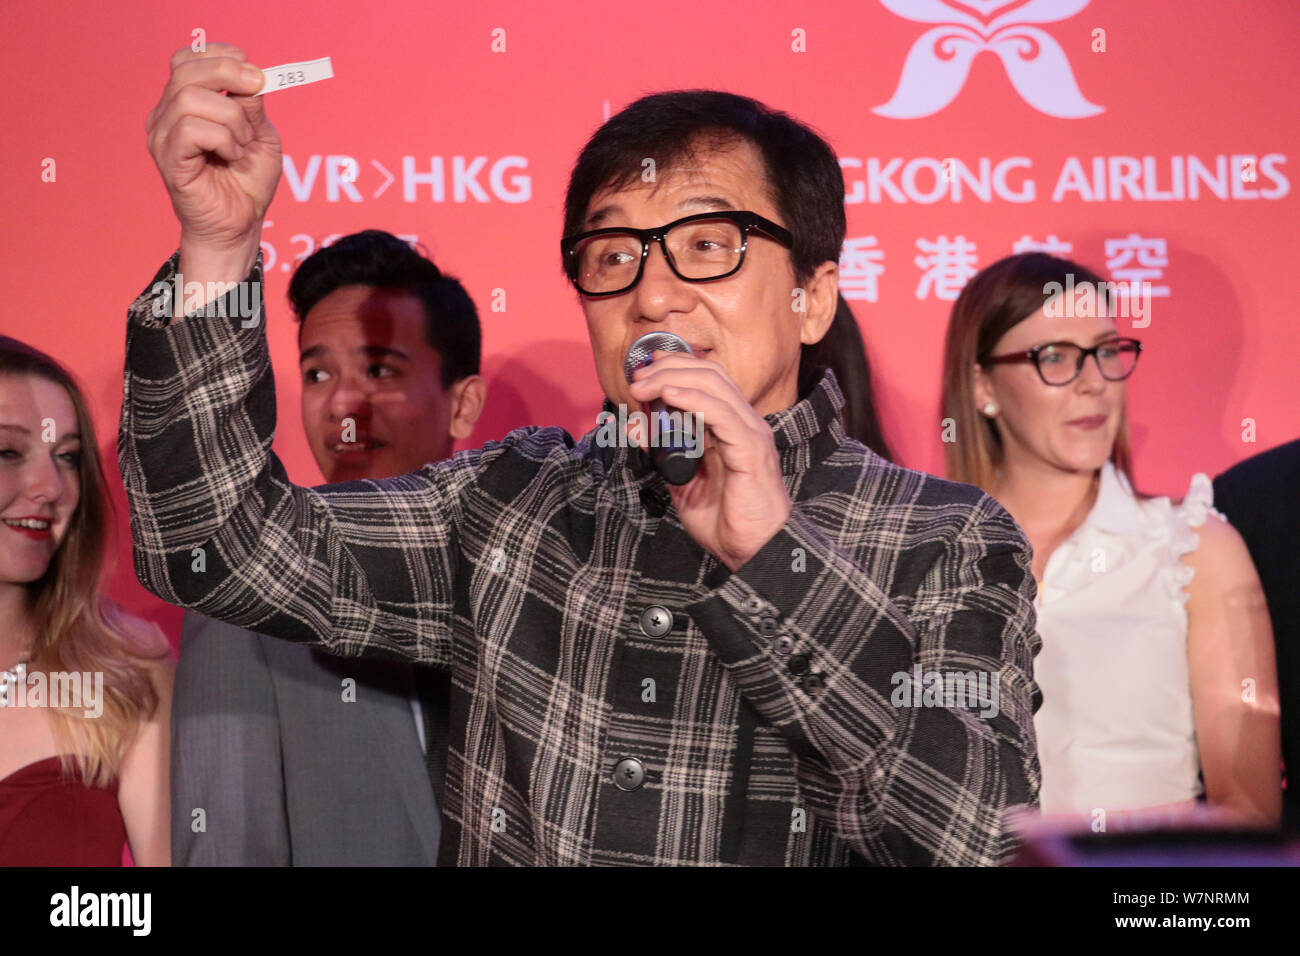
[(1164, 128)]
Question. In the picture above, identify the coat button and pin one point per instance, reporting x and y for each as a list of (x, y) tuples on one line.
[(656, 621), (798, 664), (629, 773), (812, 683), (753, 605), (783, 645), (767, 625)]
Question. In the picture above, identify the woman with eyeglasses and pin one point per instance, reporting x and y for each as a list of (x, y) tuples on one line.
[(84, 688), (1157, 668)]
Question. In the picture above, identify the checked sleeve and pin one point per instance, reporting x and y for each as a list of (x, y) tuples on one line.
[(830, 661), (218, 527)]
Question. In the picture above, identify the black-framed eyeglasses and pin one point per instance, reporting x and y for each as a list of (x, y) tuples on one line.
[(1060, 363), (699, 248)]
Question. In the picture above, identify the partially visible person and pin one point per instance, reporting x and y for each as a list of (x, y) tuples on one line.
[(291, 764), (843, 351), (1261, 497), (1157, 668), (85, 688)]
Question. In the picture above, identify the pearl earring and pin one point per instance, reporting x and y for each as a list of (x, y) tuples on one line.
[(990, 409)]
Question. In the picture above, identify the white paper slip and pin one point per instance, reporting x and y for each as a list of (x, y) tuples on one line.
[(296, 74)]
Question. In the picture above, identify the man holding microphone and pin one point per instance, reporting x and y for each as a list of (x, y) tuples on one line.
[(642, 672)]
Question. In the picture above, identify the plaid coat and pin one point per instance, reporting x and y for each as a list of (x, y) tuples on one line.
[(619, 696)]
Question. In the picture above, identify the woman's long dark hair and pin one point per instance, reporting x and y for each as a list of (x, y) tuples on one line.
[(844, 353)]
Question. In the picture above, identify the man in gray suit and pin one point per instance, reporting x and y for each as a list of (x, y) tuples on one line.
[(281, 754)]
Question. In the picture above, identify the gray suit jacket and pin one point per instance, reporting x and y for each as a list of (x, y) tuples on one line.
[(285, 770)]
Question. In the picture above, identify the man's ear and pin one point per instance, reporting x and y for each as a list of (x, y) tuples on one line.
[(820, 297), (467, 399)]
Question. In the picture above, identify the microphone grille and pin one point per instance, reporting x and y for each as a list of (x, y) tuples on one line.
[(640, 351)]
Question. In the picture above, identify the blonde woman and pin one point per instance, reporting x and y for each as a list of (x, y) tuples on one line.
[(85, 688), (1157, 668)]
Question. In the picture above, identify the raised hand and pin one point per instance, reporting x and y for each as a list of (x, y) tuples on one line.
[(219, 157)]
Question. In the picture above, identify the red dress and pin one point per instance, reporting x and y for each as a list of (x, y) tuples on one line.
[(47, 819)]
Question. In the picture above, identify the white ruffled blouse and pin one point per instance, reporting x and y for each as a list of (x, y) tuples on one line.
[(1115, 730)]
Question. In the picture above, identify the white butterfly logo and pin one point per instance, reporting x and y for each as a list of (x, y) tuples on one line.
[(939, 62)]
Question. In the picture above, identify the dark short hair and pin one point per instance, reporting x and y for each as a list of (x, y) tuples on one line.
[(377, 258), (804, 178)]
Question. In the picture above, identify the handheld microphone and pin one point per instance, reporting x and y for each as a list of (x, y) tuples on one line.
[(670, 452)]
